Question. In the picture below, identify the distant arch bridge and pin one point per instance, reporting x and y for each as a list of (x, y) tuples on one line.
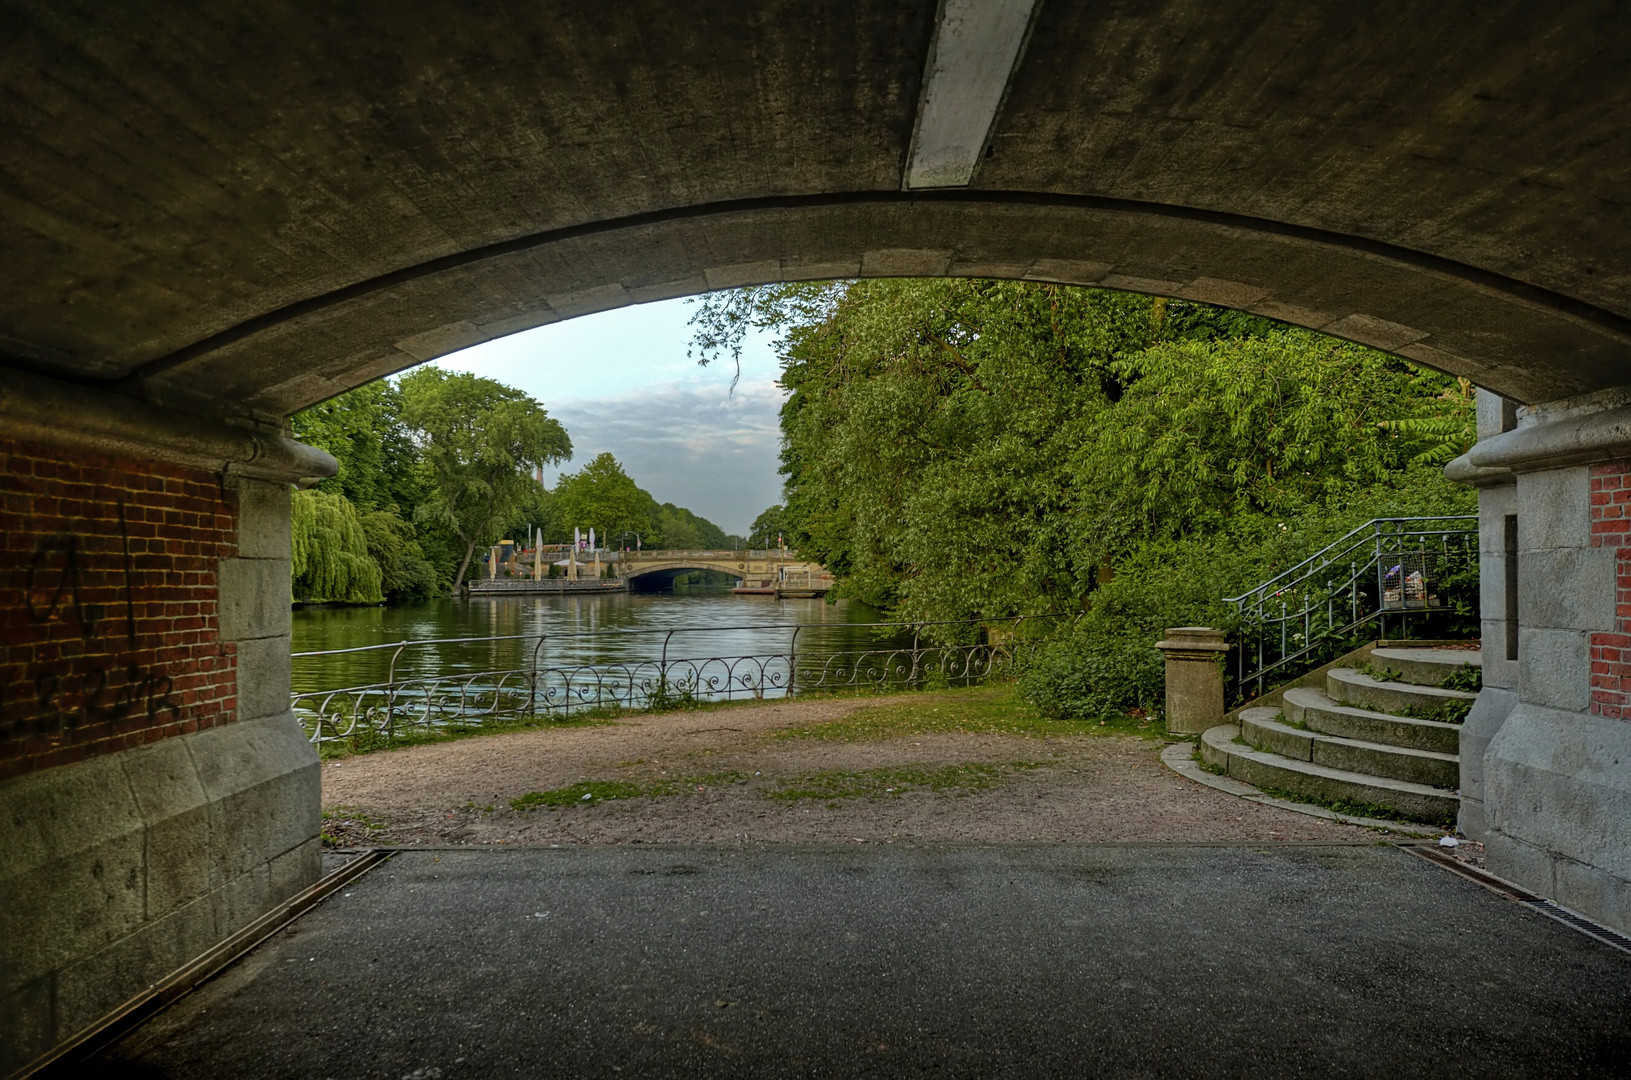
[(777, 572)]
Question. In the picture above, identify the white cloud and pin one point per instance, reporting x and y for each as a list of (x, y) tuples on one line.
[(621, 381), (699, 447)]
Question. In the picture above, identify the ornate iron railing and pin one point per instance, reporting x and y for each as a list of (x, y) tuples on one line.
[(1388, 568), (396, 706)]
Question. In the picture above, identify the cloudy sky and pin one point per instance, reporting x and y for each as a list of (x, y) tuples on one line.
[(620, 381)]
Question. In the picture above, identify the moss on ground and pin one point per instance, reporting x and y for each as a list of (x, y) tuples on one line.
[(1351, 807), (892, 783), (342, 816), (1207, 766), (590, 792), (986, 710)]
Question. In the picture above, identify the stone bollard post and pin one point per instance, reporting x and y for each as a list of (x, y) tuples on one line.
[(1194, 678)]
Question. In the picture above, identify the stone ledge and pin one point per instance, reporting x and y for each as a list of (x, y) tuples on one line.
[(1552, 444), (61, 414), (1488, 714), (122, 867), (1574, 767), (1179, 757)]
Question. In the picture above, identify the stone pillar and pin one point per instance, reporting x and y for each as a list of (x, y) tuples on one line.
[(156, 791), (1497, 565), (1556, 771), (1194, 678)]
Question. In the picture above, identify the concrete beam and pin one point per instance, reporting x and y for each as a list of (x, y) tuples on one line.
[(977, 44)]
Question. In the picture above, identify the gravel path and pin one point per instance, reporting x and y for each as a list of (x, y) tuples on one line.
[(1050, 788)]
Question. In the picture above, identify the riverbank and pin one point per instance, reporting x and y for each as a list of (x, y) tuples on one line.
[(965, 765)]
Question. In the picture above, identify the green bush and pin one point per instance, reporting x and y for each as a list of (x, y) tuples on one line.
[(1107, 664)]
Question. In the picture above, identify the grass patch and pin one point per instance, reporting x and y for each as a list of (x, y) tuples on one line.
[(994, 709), (1379, 674), (677, 700), (1451, 712), (1207, 766), (893, 783), (1467, 677), (590, 792)]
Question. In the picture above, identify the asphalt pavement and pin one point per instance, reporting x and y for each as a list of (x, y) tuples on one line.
[(1113, 960)]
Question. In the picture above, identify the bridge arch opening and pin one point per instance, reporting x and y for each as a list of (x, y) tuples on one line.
[(321, 204), (664, 580)]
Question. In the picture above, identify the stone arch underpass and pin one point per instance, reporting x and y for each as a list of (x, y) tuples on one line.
[(214, 217), (648, 579)]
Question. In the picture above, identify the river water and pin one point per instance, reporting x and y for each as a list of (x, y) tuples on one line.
[(569, 631)]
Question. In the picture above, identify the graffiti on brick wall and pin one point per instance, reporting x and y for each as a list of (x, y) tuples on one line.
[(55, 593), (108, 635)]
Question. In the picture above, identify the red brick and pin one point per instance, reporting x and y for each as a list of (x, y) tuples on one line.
[(179, 523)]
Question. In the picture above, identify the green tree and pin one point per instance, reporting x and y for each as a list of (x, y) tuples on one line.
[(768, 526), (405, 573), (363, 429), (329, 551), (1209, 431), (957, 449), (604, 497), (680, 528), (480, 441)]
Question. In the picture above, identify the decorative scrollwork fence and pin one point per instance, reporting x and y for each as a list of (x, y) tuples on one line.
[(397, 706)]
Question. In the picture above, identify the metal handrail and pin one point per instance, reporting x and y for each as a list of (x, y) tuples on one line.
[(1321, 601), (1364, 534), (454, 699), (631, 631)]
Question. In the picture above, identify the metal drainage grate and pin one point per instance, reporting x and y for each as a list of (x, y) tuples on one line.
[(1612, 938)]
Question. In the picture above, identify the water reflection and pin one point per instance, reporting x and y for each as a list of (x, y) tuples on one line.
[(614, 628)]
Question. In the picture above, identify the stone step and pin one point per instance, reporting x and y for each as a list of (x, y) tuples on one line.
[(1307, 780), (1314, 710), (1426, 667), (1349, 687), (1264, 729)]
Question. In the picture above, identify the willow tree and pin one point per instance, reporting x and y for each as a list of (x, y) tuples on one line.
[(482, 440), (330, 561)]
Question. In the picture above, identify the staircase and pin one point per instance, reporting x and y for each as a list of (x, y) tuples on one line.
[(1385, 738)]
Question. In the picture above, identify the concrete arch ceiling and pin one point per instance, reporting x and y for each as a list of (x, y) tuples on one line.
[(247, 208)]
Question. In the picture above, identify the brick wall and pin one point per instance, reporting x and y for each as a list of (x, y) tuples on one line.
[(108, 634), (1611, 651)]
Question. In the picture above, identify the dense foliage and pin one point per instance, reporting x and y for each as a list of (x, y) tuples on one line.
[(383, 477), (769, 528), (957, 449), (481, 441), (602, 496)]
